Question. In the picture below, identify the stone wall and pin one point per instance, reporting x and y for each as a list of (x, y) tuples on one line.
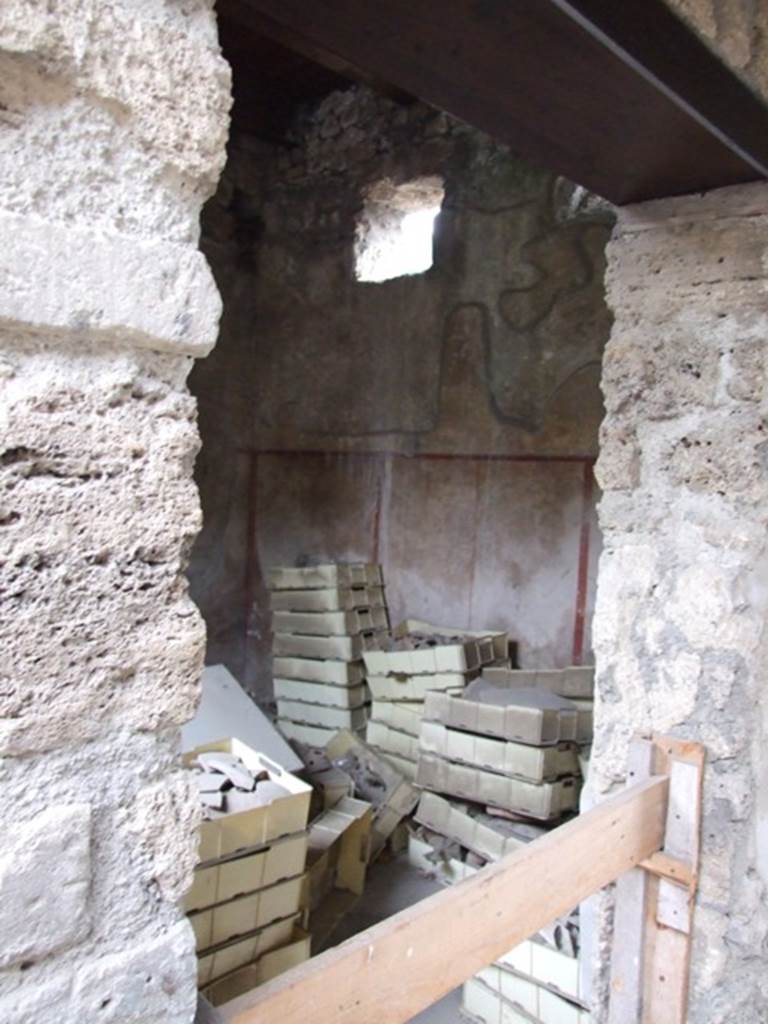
[(738, 32), (680, 626), (112, 126), (406, 385)]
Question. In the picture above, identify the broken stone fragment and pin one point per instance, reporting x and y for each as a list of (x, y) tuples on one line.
[(211, 782), (229, 765)]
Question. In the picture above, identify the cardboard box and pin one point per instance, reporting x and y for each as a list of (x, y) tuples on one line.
[(339, 850), (544, 801), (314, 577), (225, 880), (242, 915), (229, 956), (403, 715), (535, 764), (440, 815), (339, 648), (576, 682), (315, 670), (320, 693), (392, 796), (329, 599), (414, 688), (536, 718), (261, 825), (392, 741), (320, 714), (360, 620)]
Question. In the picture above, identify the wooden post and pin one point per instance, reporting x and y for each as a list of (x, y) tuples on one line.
[(394, 970), (654, 904)]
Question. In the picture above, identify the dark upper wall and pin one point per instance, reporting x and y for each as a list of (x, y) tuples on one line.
[(494, 351)]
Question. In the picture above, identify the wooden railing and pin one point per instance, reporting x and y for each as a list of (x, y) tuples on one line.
[(397, 968)]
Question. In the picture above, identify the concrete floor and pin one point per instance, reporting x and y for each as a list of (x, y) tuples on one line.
[(391, 887)]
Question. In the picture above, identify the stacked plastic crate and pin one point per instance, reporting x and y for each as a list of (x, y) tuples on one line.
[(499, 766), (420, 658), (323, 619), (246, 901)]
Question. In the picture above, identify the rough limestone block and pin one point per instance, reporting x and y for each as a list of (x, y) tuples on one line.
[(45, 872), (150, 980), (152, 294), (100, 510)]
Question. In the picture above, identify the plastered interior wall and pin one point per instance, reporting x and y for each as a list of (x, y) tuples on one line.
[(442, 423), (113, 120), (680, 623)]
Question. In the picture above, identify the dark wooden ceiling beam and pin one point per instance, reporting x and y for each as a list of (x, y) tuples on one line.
[(621, 97)]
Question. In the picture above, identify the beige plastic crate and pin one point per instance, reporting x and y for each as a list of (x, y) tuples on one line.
[(447, 872), (547, 966), (314, 577), (481, 1005), (398, 797), (261, 825), (576, 682), (535, 764), (321, 693), (539, 722), (351, 623), (496, 997), (260, 957), (244, 914), (414, 688), (459, 657), (392, 741), (404, 765), (338, 648), (402, 715), (319, 714), (312, 735), (228, 879), (339, 850), (315, 670), (440, 815), (329, 599), (499, 639), (543, 801)]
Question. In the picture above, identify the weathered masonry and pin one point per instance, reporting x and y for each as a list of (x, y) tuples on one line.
[(114, 119)]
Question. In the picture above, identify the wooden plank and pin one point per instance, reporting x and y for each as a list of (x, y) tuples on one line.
[(669, 922), (402, 965), (627, 955), (632, 105)]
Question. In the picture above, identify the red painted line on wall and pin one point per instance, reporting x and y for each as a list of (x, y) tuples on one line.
[(582, 576)]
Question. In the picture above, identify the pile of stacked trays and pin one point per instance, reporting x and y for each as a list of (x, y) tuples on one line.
[(499, 766), (246, 904), (417, 659), (324, 617)]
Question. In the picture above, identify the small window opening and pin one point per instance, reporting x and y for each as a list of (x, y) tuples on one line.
[(396, 228)]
